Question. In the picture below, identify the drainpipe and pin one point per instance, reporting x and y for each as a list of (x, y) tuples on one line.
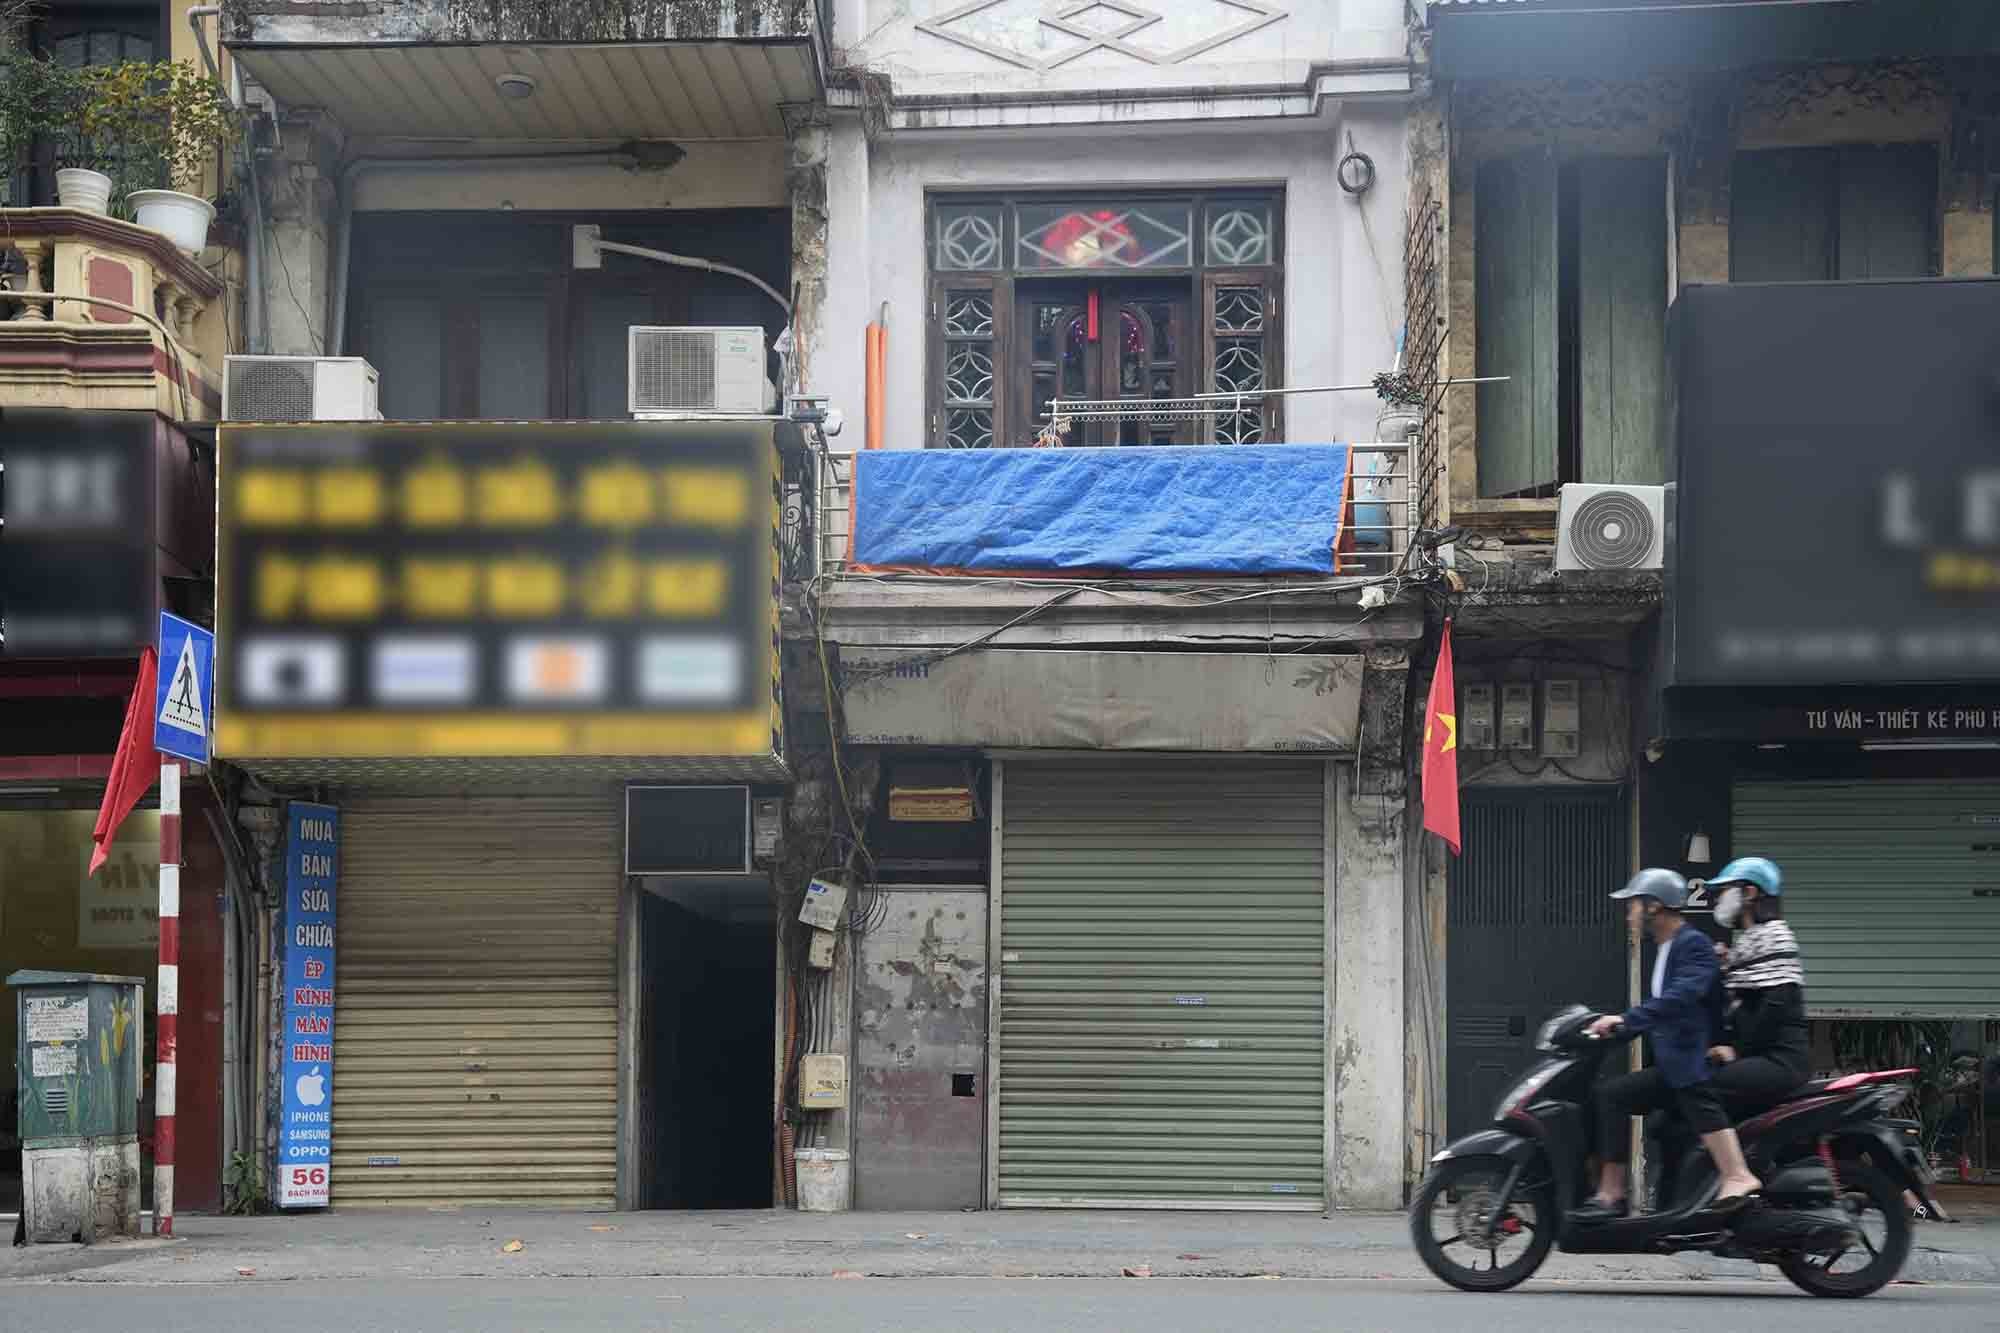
[(626, 156), (255, 320)]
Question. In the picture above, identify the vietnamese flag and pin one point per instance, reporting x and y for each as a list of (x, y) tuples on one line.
[(1441, 750), (136, 766)]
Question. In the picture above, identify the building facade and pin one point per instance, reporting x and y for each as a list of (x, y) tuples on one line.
[(1172, 788), (111, 350), (1670, 228)]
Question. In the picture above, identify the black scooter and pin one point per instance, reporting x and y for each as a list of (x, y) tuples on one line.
[(1830, 1216)]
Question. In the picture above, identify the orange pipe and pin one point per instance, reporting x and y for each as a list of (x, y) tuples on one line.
[(878, 369)]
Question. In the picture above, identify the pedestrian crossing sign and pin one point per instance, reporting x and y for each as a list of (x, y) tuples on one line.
[(185, 698)]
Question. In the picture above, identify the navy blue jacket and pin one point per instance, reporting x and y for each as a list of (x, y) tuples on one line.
[(1684, 1017)]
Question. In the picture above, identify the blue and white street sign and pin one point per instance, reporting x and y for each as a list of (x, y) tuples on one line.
[(184, 704)]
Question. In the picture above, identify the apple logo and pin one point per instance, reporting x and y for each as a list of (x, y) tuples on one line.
[(311, 1088)]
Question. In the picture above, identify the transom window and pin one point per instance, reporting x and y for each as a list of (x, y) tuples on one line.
[(1141, 298)]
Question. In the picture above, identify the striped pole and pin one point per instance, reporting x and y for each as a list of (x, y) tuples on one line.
[(167, 1031)]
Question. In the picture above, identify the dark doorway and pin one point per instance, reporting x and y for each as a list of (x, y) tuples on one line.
[(703, 1037), (1532, 928)]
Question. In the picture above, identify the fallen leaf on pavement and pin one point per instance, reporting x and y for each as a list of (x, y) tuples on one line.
[(847, 1273), (1187, 1256), (246, 1272), (604, 1228), (913, 1235), (1265, 1277), (1140, 1271), (512, 1247)]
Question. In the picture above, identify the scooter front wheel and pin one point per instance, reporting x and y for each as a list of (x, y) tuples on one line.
[(1471, 1237)]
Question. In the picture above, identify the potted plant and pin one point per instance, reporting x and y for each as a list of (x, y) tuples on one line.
[(169, 121), (42, 102)]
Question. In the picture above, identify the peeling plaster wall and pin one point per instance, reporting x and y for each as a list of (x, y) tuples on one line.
[(1367, 1106), (1700, 121)]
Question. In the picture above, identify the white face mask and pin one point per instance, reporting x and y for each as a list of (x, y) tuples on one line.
[(1729, 907)]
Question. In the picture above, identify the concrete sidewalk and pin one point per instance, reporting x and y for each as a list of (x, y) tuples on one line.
[(451, 1243)]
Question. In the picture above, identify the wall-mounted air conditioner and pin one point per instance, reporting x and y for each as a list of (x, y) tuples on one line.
[(299, 388), (696, 371), (1610, 527)]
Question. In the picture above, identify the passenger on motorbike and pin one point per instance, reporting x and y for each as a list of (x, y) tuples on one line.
[(1764, 1052), (1681, 1018)]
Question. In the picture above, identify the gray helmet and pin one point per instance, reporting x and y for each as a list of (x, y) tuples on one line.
[(1665, 887)]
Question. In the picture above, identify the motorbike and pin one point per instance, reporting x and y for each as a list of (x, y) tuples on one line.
[(1830, 1216)]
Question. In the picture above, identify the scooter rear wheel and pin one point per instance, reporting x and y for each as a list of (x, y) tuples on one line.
[(1880, 1204), (1464, 1194)]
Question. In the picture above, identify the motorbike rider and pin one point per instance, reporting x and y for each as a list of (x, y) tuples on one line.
[(1764, 1051), (1681, 1018)]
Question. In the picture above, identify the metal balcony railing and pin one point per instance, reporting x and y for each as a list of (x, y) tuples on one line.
[(1382, 520)]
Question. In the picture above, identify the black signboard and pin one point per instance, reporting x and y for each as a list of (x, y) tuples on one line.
[(1838, 508), (497, 588), (1888, 714), (77, 565)]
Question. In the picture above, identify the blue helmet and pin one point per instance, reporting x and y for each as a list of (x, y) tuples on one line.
[(1667, 887), (1752, 870)]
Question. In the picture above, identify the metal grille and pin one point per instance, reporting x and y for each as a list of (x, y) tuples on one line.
[(673, 370), (476, 1031), (1423, 351), (1612, 530), (1162, 984), (269, 390), (55, 1100)]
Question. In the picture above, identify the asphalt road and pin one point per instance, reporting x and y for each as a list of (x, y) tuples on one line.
[(990, 1305)]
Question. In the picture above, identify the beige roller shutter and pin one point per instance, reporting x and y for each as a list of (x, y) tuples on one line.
[(476, 1024)]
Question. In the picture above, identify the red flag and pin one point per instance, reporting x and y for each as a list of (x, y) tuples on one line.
[(135, 767), (1441, 750)]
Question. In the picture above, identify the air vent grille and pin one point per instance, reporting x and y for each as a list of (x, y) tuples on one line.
[(673, 370), (270, 391)]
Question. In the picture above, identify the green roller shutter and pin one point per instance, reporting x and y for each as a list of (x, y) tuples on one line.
[(1892, 887), (1162, 1020)]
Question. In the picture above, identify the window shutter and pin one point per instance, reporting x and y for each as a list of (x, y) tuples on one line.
[(1781, 209), (1516, 282), (1888, 211), (1622, 319)]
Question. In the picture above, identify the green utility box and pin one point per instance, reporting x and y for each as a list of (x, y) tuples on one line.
[(79, 1057)]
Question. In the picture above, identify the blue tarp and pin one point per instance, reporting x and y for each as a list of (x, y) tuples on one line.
[(1236, 510)]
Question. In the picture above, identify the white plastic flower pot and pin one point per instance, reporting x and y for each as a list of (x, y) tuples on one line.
[(183, 217), (82, 188)]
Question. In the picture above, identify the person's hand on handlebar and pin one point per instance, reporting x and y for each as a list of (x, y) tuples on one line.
[(1722, 1055), (1605, 1026)]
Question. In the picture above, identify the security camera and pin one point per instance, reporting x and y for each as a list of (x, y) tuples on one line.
[(834, 421)]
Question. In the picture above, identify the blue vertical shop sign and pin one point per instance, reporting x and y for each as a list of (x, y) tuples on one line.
[(305, 1130)]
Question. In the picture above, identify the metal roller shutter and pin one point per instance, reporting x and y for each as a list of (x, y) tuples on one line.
[(476, 1024), (1890, 887), (1162, 984)]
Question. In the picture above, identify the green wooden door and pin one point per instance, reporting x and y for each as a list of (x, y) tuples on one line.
[(1892, 887), (1515, 267), (1621, 295), (1162, 1011)]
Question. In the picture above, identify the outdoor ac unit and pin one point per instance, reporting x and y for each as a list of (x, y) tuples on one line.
[(299, 388), (696, 371), (1610, 527)]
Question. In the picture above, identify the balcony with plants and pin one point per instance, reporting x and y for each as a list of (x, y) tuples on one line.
[(114, 296)]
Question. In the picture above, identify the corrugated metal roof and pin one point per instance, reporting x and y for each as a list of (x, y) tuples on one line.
[(719, 89)]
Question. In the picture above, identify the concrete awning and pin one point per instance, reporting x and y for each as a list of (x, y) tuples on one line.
[(598, 92)]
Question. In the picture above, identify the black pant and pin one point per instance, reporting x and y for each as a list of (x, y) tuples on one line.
[(1753, 1084), (1620, 1098)]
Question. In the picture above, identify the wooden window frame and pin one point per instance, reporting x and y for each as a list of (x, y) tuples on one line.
[(1013, 411)]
